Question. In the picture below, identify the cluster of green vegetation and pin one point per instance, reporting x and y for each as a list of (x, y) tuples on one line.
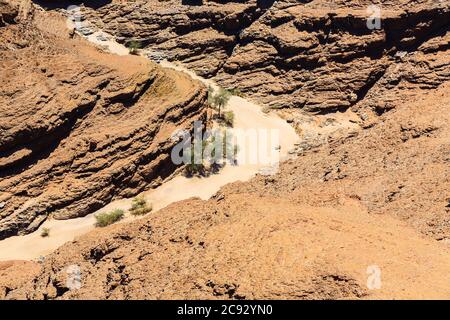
[(140, 207), (134, 46), (236, 92), (228, 118), (45, 232), (219, 101), (193, 168), (106, 218), (228, 151)]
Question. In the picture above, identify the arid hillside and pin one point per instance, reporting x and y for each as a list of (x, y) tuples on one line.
[(314, 57), (310, 232), (81, 127)]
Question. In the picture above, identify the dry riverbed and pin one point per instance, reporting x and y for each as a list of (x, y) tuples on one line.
[(248, 115)]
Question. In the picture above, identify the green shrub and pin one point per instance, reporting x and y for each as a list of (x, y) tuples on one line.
[(45, 232), (220, 99), (193, 168), (133, 46), (236, 92), (140, 207), (228, 118), (229, 152), (210, 95), (104, 219)]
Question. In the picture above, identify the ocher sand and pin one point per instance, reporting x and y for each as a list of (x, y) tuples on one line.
[(247, 116)]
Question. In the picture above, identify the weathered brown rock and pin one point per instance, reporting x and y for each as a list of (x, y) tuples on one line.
[(317, 55), (16, 273), (376, 196), (310, 232), (79, 127)]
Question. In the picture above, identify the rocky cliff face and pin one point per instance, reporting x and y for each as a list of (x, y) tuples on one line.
[(317, 56), (372, 197), (79, 127), (310, 232)]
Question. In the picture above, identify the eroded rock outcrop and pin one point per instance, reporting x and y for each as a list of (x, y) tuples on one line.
[(14, 274), (79, 127), (359, 200), (316, 230), (317, 56)]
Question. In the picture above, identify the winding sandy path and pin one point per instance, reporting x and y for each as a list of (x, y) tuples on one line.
[(247, 116)]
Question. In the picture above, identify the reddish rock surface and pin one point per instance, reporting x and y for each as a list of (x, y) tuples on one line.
[(373, 196), (79, 127), (14, 274), (316, 55), (310, 232)]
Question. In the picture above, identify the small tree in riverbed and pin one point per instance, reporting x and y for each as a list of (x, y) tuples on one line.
[(220, 99)]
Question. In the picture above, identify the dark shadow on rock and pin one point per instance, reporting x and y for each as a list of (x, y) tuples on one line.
[(64, 4), (192, 2)]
